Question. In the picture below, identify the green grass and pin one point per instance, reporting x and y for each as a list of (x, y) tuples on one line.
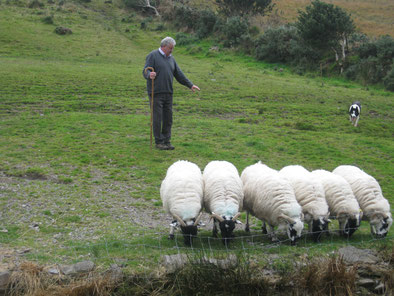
[(74, 129)]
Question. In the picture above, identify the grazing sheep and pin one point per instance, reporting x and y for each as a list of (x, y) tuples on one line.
[(182, 194), (369, 195), (341, 201), (270, 198), (223, 196), (309, 193)]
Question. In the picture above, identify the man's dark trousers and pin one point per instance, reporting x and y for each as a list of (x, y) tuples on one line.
[(162, 117)]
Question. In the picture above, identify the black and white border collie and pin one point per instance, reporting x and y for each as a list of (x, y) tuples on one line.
[(354, 112)]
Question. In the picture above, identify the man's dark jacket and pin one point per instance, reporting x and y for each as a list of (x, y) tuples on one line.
[(166, 69)]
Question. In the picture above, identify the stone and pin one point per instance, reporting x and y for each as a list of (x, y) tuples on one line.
[(353, 255), (173, 262), (84, 266), (367, 283), (5, 276), (54, 270), (80, 267), (116, 272), (67, 269)]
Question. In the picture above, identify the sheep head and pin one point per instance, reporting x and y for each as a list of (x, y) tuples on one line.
[(348, 224), (380, 224), (319, 225), (294, 227), (226, 225), (189, 228)]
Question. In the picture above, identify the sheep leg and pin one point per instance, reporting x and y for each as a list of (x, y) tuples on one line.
[(272, 233), (247, 222), (214, 229), (264, 228), (310, 226), (172, 230)]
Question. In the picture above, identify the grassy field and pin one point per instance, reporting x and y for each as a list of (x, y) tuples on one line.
[(78, 179)]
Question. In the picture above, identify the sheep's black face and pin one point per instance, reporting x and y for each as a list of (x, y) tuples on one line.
[(318, 227), (381, 226), (292, 234), (227, 228), (188, 233), (350, 227)]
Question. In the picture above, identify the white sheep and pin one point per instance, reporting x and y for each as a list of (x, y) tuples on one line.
[(309, 193), (270, 198), (182, 194), (369, 195), (223, 196), (341, 201)]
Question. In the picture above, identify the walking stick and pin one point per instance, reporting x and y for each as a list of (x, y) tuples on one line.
[(151, 105)]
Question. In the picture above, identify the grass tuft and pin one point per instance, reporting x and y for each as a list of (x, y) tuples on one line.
[(328, 277)]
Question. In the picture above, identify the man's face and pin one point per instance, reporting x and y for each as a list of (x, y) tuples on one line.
[(168, 49)]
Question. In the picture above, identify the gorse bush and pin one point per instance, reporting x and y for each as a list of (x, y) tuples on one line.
[(185, 39), (372, 61), (235, 30), (276, 44), (206, 23), (388, 81), (284, 45)]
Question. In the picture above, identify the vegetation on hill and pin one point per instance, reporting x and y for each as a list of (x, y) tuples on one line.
[(323, 39)]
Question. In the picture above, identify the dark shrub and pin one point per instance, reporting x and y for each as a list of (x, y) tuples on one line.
[(206, 23), (389, 80), (284, 45), (275, 44), (375, 60), (48, 20), (136, 4), (36, 4), (185, 16), (63, 31), (235, 30), (184, 39)]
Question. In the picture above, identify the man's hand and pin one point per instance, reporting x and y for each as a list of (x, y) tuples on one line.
[(152, 75), (195, 87)]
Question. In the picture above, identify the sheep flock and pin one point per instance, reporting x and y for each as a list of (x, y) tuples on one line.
[(283, 199)]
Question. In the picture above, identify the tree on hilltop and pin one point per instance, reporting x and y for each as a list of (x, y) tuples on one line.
[(244, 8), (325, 26)]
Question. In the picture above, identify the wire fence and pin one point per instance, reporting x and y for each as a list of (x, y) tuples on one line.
[(65, 235)]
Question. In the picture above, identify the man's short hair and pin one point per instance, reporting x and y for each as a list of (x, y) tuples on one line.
[(167, 41)]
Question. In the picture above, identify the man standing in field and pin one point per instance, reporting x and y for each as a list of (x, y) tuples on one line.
[(165, 69)]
